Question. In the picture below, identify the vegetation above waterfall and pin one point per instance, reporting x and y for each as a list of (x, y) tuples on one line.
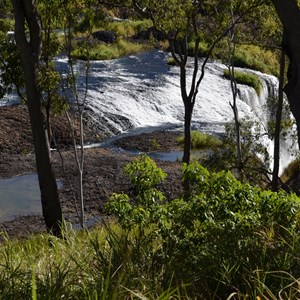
[(246, 78)]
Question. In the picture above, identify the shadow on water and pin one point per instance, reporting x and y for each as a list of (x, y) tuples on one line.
[(20, 195)]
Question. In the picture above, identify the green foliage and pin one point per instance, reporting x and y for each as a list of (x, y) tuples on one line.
[(144, 174), (201, 140), (102, 51), (155, 144), (171, 61), (49, 82), (255, 156), (128, 28), (256, 58), (123, 47), (227, 239), (246, 56), (245, 78), (222, 235), (10, 66), (6, 8), (6, 25)]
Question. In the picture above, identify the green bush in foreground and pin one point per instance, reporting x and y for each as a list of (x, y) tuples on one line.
[(247, 79), (228, 240)]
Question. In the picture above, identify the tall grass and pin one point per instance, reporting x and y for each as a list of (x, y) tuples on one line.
[(246, 56)]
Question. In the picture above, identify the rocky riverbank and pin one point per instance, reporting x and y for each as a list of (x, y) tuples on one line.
[(103, 168)]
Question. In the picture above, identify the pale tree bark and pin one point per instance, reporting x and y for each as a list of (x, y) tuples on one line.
[(231, 39), (289, 14), (30, 48)]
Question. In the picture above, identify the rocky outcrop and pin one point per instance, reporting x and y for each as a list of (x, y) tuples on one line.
[(106, 36)]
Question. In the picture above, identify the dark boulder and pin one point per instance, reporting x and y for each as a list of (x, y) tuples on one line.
[(145, 34), (107, 36)]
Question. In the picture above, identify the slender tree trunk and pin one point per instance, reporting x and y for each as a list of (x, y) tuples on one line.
[(80, 107), (289, 14), (234, 90), (30, 51), (187, 134), (278, 124)]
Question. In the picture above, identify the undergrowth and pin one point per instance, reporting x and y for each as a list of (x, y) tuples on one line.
[(227, 241)]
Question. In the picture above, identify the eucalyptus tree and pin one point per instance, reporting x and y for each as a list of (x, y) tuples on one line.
[(49, 79), (10, 61), (26, 16), (232, 41), (258, 28), (79, 15)]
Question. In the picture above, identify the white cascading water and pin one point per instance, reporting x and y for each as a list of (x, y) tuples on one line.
[(142, 91)]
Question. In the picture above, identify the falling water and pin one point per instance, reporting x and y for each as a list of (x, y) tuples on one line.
[(142, 91)]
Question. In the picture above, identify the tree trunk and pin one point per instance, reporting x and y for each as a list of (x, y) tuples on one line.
[(187, 146), (289, 14), (24, 11), (187, 135), (278, 125)]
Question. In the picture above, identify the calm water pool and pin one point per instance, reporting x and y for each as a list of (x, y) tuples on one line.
[(20, 195)]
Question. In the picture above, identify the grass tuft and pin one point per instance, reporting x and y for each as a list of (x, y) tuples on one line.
[(201, 140), (103, 51), (247, 79)]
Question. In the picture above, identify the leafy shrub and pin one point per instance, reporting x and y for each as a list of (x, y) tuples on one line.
[(221, 236), (144, 176), (255, 156), (246, 78), (228, 240), (201, 140)]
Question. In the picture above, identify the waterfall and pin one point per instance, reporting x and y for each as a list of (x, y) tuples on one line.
[(260, 106), (142, 91)]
